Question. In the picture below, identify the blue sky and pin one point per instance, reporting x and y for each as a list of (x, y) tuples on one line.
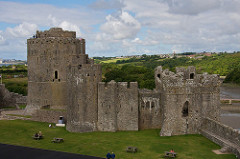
[(124, 27)]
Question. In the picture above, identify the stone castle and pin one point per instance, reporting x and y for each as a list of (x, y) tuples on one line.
[(61, 76)]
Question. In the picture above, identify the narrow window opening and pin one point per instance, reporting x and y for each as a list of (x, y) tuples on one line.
[(185, 109), (158, 75), (191, 75), (56, 74)]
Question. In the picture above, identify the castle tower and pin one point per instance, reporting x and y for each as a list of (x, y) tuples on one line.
[(187, 98), (50, 53), (82, 81)]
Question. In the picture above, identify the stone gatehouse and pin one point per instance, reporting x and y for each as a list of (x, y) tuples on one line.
[(61, 76)]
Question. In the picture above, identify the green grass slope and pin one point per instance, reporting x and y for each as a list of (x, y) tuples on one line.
[(149, 143)]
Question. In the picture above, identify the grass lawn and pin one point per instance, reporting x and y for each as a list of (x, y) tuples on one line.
[(149, 143)]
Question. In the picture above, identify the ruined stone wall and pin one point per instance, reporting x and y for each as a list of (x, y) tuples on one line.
[(150, 109), (221, 134), (10, 99), (48, 58), (221, 130), (187, 97), (117, 106), (82, 111)]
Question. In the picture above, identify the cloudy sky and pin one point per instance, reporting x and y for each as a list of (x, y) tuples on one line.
[(124, 27)]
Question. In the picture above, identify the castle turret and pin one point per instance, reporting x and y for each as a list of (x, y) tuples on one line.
[(187, 98), (50, 53)]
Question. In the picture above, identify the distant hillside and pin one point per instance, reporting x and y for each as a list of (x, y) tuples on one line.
[(142, 69)]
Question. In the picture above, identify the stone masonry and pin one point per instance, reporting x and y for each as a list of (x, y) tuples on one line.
[(117, 106), (61, 76), (50, 54), (187, 97)]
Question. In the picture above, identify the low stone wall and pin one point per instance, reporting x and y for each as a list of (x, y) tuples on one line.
[(221, 134), (50, 116), (10, 99)]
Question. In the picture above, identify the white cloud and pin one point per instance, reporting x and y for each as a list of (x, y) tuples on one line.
[(120, 26), (65, 25), (13, 40), (22, 30), (69, 26), (188, 24), (42, 14), (2, 39)]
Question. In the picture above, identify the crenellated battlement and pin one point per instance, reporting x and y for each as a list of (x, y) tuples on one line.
[(122, 85), (56, 40), (55, 32), (185, 78)]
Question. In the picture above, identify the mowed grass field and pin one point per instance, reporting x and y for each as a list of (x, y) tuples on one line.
[(148, 142)]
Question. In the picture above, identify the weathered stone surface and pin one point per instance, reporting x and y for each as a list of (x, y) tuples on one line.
[(150, 109), (82, 97), (50, 116), (222, 135), (187, 97), (49, 56), (117, 106)]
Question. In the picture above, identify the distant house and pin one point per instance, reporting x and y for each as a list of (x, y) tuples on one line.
[(1, 61), (191, 56)]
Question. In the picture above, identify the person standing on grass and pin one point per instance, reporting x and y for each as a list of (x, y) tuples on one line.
[(113, 155)]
